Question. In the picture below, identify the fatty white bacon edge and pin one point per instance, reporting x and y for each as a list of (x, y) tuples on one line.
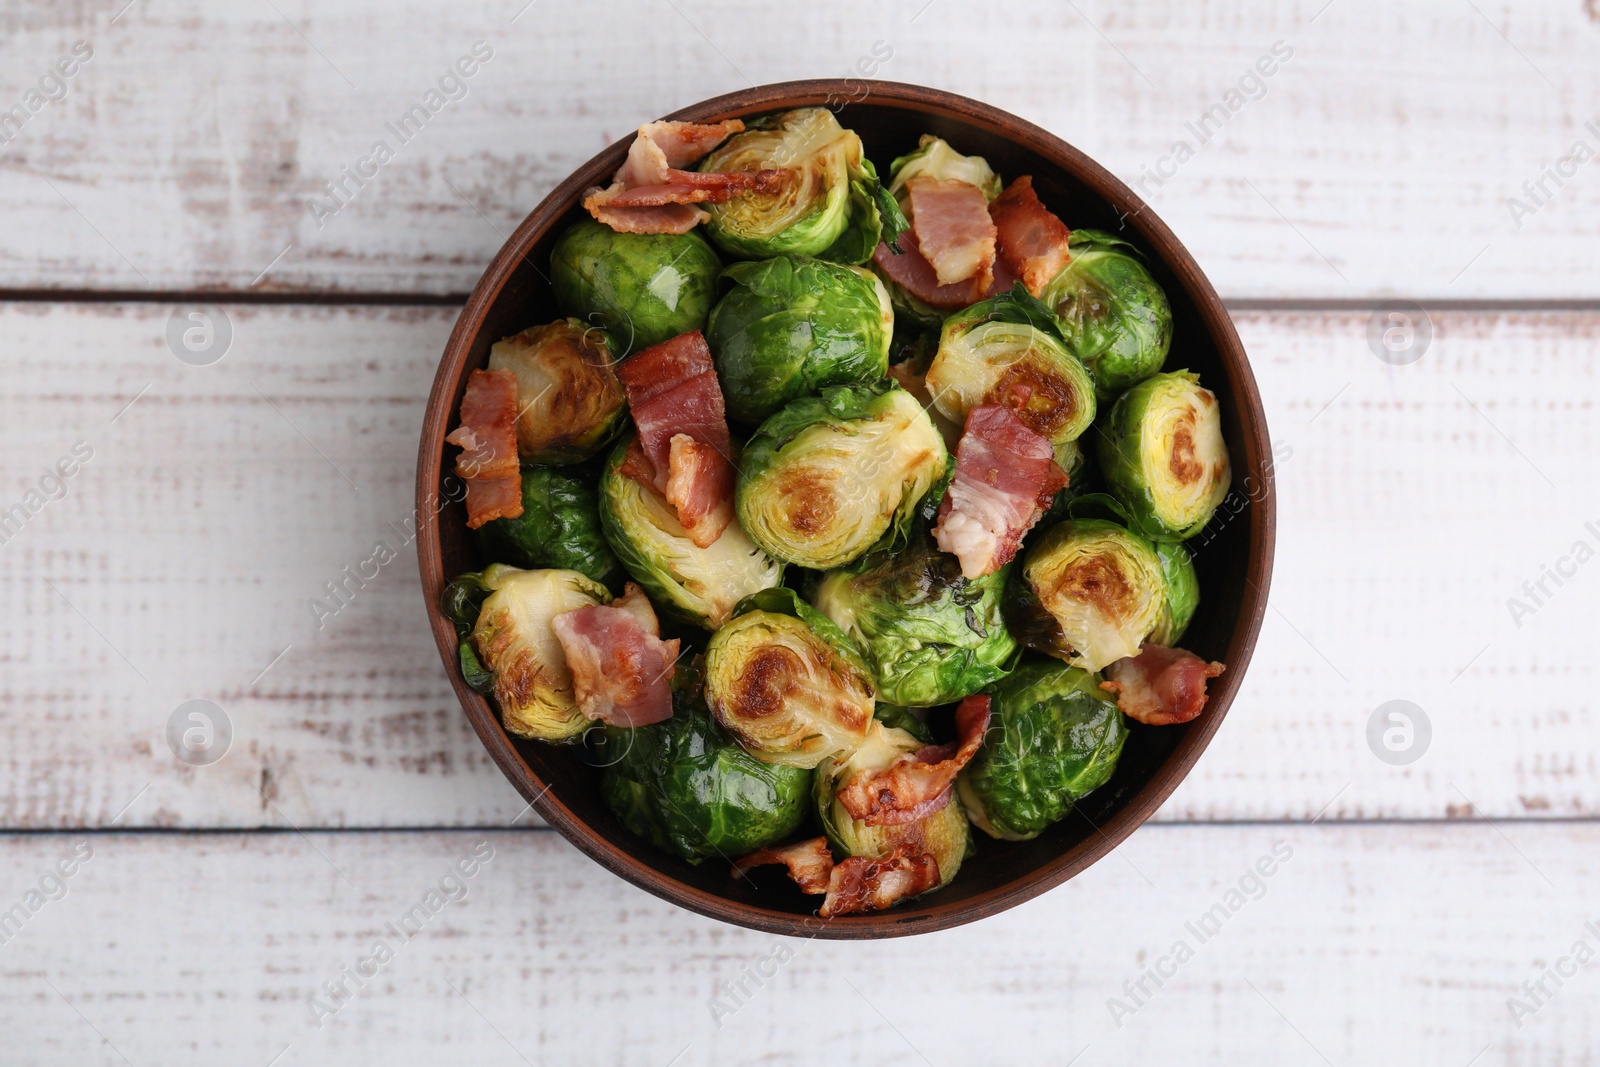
[(1006, 476), (1161, 686), (954, 231)]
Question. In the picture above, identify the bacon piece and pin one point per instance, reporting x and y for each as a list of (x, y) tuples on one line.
[(1006, 476), (859, 884), (1032, 242), (810, 863), (683, 433), (917, 784), (954, 231), (621, 669), (653, 193), (487, 437), (1160, 686), (909, 269)]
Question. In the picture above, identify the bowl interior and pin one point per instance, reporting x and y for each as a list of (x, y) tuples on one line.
[(1233, 558)]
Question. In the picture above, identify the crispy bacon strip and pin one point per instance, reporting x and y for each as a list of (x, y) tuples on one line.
[(487, 437), (809, 862), (954, 231), (621, 669), (1032, 242), (918, 784), (653, 192), (683, 433), (860, 884), (1161, 686), (1006, 476)]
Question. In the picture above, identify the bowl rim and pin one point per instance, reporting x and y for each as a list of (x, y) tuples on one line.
[(927, 914)]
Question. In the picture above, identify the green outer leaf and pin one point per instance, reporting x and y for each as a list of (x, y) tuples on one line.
[(642, 288), (688, 788), (1015, 305), (462, 599), (1183, 593), (660, 560), (893, 220), (1114, 315), (473, 672), (559, 528), (1054, 737), (865, 226), (789, 326), (1120, 449), (931, 636)]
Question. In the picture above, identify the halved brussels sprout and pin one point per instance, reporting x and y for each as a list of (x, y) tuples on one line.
[(934, 158), (825, 204), (1007, 350), (1088, 592), (1183, 593), (687, 788), (830, 476), (643, 288), (1163, 456), (699, 586), (930, 635), (513, 639), (559, 527), (945, 834), (1115, 317), (787, 683), (787, 327), (569, 398), (1054, 736)]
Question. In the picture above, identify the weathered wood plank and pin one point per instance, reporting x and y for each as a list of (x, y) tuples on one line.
[(1365, 944), (1378, 157), (193, 539)]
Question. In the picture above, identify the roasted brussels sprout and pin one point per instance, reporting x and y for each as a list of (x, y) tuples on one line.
[(1007, 350), (1183, 593), (934, 158), (1054, 736), (514, 641), (930, 635), (945, 833), (643, 288), (1088, 591), (699, 586), (787, 327), (570, 400), (1162, 455), (687, 788), (825, 205), (559, 527), (787, 683), (830, 476), (1115, 317)]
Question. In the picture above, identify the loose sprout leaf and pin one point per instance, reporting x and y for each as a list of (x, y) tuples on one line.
[(472, 671), (894, 220), (462, 599)]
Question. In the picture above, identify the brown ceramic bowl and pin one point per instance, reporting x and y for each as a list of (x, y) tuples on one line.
[(1234, 563)]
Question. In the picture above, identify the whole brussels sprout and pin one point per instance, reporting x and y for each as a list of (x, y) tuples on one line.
[(1007, 350), (830, 476), (1115, 317), (930, 635), (787, 683), (687, 788), (643, 288), (1054, 737), (934, 158), (1163, 456), (698, 586), (787, 327), (1183, 593), (945, 833), (1088, 592), (826, 204), (569, 398), (559, 527), (514, 641)]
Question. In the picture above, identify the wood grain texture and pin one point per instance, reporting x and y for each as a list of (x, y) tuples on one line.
[(1367, 944), (1413, 505), (1377, 158)]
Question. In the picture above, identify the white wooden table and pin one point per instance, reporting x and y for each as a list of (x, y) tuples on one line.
[(211, 911)]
